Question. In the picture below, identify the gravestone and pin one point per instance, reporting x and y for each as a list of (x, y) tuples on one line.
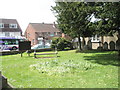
[(112, 45), (83, 43), (89, 44), (105, 46), (118, 44), (86, 47)]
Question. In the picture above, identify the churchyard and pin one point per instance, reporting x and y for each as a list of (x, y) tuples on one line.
[(87, 69)]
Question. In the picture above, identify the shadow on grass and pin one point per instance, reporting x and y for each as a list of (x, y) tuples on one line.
[(104, 59), (92, 51)]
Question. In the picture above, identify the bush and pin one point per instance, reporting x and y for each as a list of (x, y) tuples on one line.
[(61, 43)]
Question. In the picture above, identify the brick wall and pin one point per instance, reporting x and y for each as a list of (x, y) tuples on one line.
[(30, 34)]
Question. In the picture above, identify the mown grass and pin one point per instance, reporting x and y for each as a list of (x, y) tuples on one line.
[(68, 70)]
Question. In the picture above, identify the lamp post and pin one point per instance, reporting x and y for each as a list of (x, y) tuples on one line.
[(44, 42)]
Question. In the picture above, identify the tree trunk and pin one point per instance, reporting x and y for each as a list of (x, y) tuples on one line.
[(119, 45), (79, 43), (83, 42), (102, 40)]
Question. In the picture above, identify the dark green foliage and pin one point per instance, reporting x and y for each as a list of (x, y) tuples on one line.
[(61, 43), (109, 15), (73, 18)]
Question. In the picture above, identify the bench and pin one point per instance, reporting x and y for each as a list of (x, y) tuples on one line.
[(54, 53)]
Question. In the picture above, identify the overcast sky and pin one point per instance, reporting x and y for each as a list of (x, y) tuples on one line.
[(27, 11)]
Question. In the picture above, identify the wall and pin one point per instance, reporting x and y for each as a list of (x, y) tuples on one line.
[(30, 35), (107, 39), (13, 34)]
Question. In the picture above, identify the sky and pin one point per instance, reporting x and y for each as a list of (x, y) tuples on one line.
[(27, 11)]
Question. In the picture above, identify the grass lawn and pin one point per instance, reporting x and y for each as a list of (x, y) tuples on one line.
[(89, 69)]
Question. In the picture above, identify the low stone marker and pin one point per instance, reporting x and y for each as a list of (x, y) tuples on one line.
[(112, 45), (89, 44), (105, 46), (118, 44)]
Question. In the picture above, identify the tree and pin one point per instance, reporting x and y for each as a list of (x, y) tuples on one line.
[(61, 43), (109, 13), (73, 18)]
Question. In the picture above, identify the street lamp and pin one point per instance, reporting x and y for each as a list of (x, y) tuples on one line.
[(44, 42)]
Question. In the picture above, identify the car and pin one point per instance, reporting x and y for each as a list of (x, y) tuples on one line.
[(40, 46)]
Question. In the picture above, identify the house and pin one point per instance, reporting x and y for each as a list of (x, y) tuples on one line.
[(10, 28), (41, 33)]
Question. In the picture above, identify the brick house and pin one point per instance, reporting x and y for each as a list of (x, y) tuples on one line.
[(41, 33), (10, 28)]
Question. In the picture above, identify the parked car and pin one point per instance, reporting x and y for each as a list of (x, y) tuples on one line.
[(40, 46)]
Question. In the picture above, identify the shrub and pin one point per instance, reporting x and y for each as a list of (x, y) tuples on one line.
[(61, 43)]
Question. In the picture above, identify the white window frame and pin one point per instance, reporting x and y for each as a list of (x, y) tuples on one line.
[(33, 41), (95, 38), (56, 33), (12, 25), (1, 25)]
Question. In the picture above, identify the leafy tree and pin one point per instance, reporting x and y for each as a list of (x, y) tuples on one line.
[(109, 13), (73, 18), (61, 43)]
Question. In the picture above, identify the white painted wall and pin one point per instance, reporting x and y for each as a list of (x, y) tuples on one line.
[(11, 34)]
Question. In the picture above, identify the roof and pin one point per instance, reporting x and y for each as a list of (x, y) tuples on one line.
[(41, 27), (6, 24), (8, 21)]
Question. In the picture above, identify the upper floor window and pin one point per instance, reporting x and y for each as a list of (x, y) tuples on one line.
[(28, 34), (13, 26), (95, 38), (33, 41), (56, 33), (51, 34), (1, 25), (48, 33)]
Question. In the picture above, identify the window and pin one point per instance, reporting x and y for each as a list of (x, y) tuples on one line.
[(13, 26), (10, 42), (1, 25), (7, 34), (95, 38), (51, 34), (33, 41), (56, 33), (48, 33), (28, 35)]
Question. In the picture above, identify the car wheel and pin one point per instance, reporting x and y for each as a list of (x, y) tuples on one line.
[(14, 48)]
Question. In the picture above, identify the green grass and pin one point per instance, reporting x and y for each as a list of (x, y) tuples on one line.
[(70, 70)]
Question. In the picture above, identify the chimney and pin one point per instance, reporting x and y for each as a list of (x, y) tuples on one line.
[(54, 25)]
